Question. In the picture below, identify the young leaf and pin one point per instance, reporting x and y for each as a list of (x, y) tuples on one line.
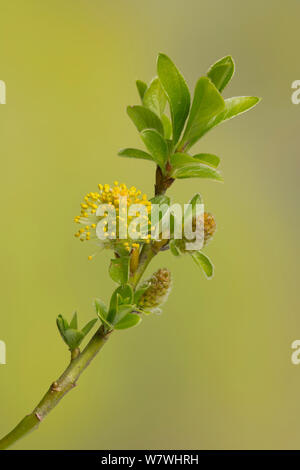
[(139, 292), (186, 166), (160, 206), (177, 93), (155, 97), (105, 322), (87, 328), (204, 263), (119, 269), (167, 126), (135, 153), (142, 87), (64, 322), (74, 322), (179, 160), (233, 107), (70, 334), (101, 308), (125, 294), (122, 295), (129, 321), (144, 118), (123, 310), (207, 103), (197, 171), (208, 159), (113, 307), (173, 248), (157, 147), (102, 313), (161, 199), (190, 211), (73, 338), (221, 72), (60, 325)]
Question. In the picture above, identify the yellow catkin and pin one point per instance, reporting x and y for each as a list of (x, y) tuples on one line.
[(110, 195)]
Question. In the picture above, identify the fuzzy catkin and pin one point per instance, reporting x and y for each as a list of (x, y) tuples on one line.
[(158, 290)]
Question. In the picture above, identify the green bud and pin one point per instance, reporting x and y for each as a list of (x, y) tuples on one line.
[(70, 333), (159, 287), (208, 232), (209, 226)]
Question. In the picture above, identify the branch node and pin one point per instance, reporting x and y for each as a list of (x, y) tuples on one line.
[(55, 387), (39, 417)]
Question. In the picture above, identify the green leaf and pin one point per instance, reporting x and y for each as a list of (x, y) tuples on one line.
[(167, 126), (157, 213), (186, 166), (157, 147), (190, 211), (87, 328), (122, 295), (204, 263), (233, 107), (161, 199), (123, 310), (125, 294), (139, 292), (207, 103), (144, 118), (142, 87), (73, 338), (129, 321), (221, 72), (65, 323), (178, 160), (60, 325), (113, 306), (135, 153), (208, 159), (102, 313), (155, 97), (70, 334), (173, 248), (119, 269), (197, 171), (177, 93), (101, 307), (74, 322)]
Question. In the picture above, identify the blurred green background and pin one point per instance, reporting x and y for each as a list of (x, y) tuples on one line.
[(214, 371)]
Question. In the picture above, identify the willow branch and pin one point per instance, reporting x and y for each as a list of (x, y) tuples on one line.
[(80, 361)]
